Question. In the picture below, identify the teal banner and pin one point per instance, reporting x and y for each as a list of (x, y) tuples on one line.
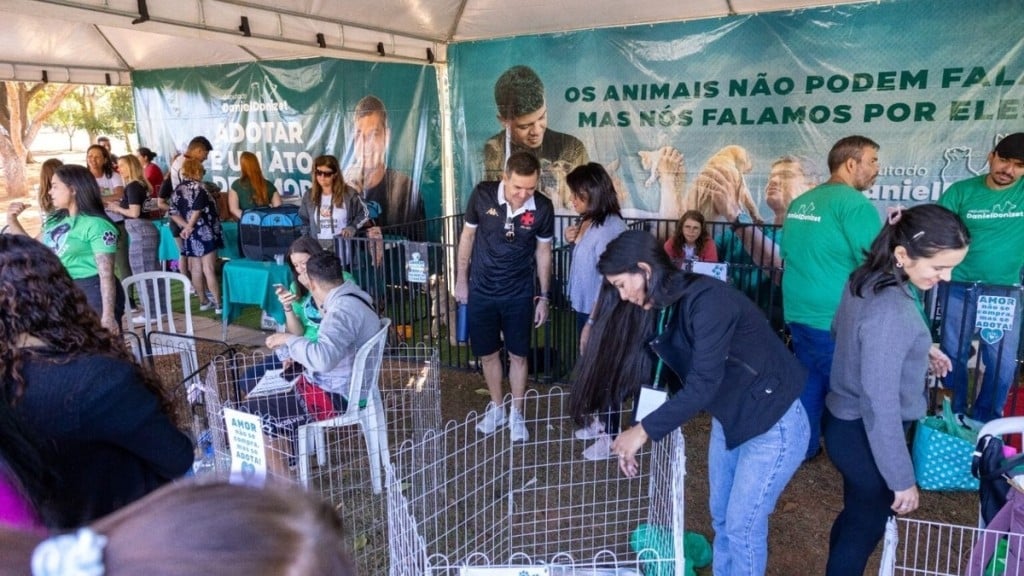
[(382, 121), (681, 112)]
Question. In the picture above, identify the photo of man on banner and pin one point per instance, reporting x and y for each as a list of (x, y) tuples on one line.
[(523, 114), (397, 199)]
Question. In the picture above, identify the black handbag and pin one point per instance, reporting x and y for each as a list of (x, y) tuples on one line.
[(993, 471)]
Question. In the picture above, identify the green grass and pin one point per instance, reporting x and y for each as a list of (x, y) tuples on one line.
[(249, 317)]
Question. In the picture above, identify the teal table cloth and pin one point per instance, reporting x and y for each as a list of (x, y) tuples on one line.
[(168, 249), (251, 283)]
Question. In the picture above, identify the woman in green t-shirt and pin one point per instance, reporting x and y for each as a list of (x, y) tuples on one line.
[(83, 237), (252, 190), (302, 316)]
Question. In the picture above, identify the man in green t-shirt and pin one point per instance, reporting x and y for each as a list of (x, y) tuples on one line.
[(827, 230), (992, 207)]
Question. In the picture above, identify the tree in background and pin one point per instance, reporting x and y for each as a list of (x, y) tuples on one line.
[(25, 107), (19, 126), (119, 114), (67, 118), (105, 111)]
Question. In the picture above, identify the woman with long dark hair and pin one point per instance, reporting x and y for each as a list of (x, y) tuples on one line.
[(883, 353), (599, 222), (83, 237), (331, 208), (302, 315), (712, 348), (105, 420)]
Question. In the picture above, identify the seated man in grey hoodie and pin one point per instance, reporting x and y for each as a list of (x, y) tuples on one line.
[(349, 321)]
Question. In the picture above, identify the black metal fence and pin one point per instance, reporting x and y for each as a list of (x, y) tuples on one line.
[(421, 304), (410, 274), (425, 310), (979, 327)]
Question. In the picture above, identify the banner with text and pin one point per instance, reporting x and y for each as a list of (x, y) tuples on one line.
[(679, 112), (381, 121)]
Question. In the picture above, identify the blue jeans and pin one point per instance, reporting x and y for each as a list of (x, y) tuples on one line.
[(814, 349), (998, 348), (866, 498), (745, 484)]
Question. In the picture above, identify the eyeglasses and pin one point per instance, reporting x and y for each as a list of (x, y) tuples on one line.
[(325, 173), (510, 230)]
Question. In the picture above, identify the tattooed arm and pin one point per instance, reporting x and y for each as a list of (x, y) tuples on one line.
[(108, 291)]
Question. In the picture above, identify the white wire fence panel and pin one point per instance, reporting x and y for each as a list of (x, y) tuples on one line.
[(476, 500), (176, 360), (933, 549), (338, 460)]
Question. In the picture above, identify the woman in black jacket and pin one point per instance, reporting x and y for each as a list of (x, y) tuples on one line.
[(103, 423), (713, 350)]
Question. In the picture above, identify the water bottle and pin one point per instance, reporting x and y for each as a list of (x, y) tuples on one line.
[(206, 465), (462, 323)]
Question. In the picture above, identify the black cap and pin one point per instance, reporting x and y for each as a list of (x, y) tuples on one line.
[(1011, 147)]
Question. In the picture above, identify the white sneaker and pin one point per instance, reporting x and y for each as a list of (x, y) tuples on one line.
[(517, 427), (493, 417), (593, 430), (600, 450), (204, 306), (140, 320)]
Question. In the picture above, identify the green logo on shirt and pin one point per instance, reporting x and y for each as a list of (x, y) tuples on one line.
[(804, 212), (999, 210)]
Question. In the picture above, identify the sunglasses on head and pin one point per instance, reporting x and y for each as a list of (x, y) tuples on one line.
[(326, 173)]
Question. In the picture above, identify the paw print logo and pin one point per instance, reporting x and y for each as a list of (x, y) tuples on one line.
[(109, 238)]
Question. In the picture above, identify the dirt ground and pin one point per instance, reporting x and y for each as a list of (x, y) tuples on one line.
[(799, 529)]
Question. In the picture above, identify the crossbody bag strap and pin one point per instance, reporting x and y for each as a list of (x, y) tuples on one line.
[(662, 322), (367, 304)]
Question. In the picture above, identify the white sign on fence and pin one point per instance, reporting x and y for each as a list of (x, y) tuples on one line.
[(995, 316), (248, 452)]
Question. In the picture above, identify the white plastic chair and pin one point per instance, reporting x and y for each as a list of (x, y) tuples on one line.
[(1001, 426), (155, 291), (998, 427), (365, 409)]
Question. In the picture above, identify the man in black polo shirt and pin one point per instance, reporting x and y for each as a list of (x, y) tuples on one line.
[(507, 233)]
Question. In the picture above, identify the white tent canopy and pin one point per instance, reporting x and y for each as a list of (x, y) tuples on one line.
[(102, 41)]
